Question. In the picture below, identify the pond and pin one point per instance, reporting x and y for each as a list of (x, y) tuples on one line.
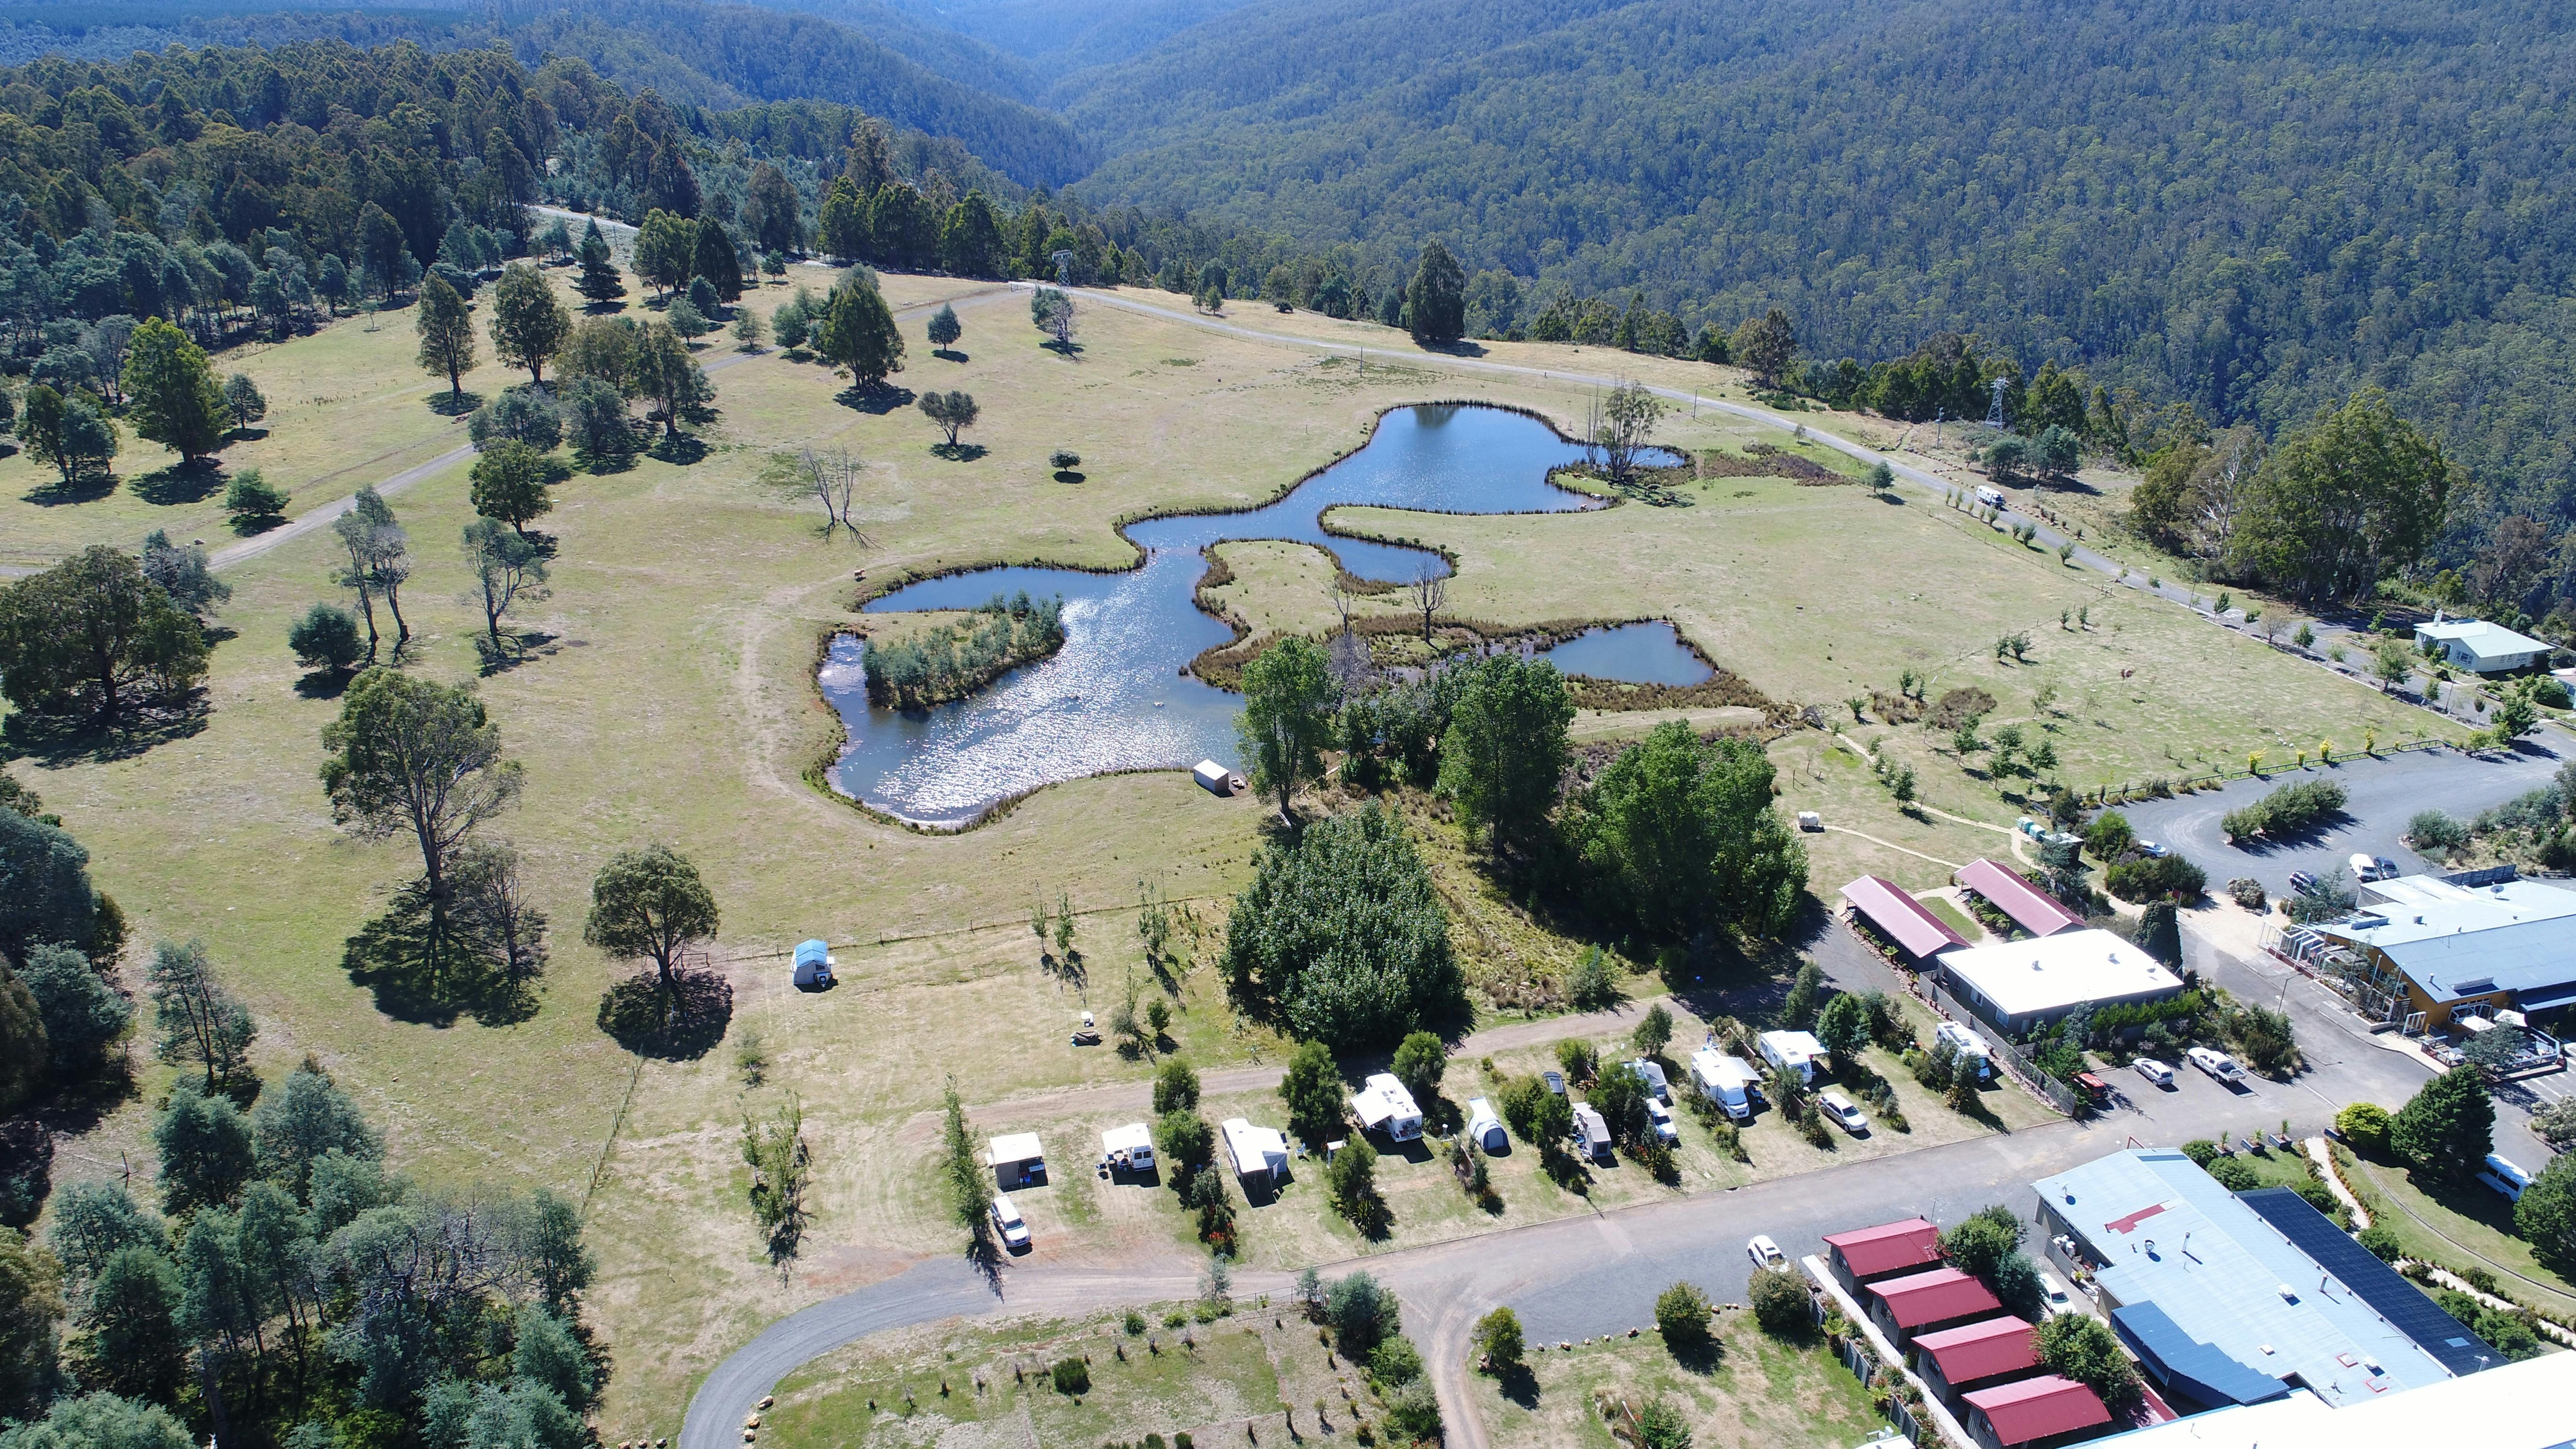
[(1647, 653), (1118, 696)]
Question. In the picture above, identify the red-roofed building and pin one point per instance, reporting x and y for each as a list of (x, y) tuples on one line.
[(1976, 1355), (2030, 908), (1900, 919), (1865, 1255), (2036, 1413), (1927, 1302)]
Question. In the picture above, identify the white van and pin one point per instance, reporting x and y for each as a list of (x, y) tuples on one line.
[(2218, 1064), (2502, 1174), (1991, 497), (1007, 1221)]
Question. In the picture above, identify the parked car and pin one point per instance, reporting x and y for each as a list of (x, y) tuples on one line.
[(2303, 883), (2155, 1071), (2218, 1064), (1764, 1252), (1553, 1081), (2372, 867), (2150, 848), (1840, 1108), (2505, 1176), (1662, 1117), (1008, 1222), (2093, 1086)]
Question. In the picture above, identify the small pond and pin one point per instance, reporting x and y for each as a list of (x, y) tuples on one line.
[(1117, 695), (1647, 653)]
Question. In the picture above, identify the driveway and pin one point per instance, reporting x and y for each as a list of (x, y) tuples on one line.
[(2382, 795)]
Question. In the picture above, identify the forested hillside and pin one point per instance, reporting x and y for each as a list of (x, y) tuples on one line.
[(2253, 205)]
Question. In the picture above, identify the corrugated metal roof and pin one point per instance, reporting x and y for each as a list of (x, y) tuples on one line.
[(1981, 1350), (2038, 1408), (2464, 941), (2031, 908), (1888, 1246), (2202, 1370), (2219, 1271), (1901, 917), (1943, 1293)]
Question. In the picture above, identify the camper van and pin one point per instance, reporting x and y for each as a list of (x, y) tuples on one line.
[(1385, 1106), (1794, 1052), (1728, 1081), (2505, 1176), (1128, 1149), (1991, 497), (1967, 1046)]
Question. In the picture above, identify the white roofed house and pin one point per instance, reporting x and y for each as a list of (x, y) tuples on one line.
[(2481, 647), (2460, 949)]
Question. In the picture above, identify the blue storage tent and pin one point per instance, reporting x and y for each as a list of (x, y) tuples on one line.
[(813, 965)]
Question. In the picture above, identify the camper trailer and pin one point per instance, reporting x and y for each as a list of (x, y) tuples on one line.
[(1385, 1106), (1216, 779), (1128, 1149), (813, 966), (1729, 1081), (1017, 1160), (1794, 1052), (1483, 1127), (1260, 1154)]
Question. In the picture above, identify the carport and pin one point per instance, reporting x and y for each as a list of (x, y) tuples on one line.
[(1900, 919)]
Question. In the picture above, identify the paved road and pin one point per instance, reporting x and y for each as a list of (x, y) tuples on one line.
[(2382, 795)]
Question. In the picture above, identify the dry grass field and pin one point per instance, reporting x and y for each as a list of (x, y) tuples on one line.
[(674, 701), (1757, 1391)]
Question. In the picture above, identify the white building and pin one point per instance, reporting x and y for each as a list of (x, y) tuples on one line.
[(1385, 1106), (1017, 1159), (1259, 1154), (2025, 983), (2481, 647)]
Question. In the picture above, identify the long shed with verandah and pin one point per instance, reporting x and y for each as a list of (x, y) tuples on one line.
[(2026, 905), (1900, 919)]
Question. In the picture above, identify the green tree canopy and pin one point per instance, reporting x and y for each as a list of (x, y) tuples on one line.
[(509, 484), (1421, 1060), (1683, 836), (2447, 1129), (2345, 501), (1312, 1089), (529, 326), (2545, 1215), (94, 634), (650, 904), (205, 1148), (45, 891), (1435, 303), (1287, 717), (2083, 1348), (1342, 936), (1507, 749), (857, 332), (412, 756), (176, 401), (446, 329)]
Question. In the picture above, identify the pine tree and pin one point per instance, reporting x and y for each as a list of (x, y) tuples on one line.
[(176, 401), (600, 281), (446, 333), (717, 261), (857, 332), (1436, 304), (2448, 1128)]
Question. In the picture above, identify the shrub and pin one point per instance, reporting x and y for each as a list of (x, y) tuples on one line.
[(2083, 1348), (1072, 1376), (2432, 831), (2381, 1241), (2246, 892), (1592, 985), (2365, 1126), (1780, 1303), (1681, 1316), (1579, 1060), (1498, 1337), (1413, 1414), (1661, 1426), (2286, 811), (2233, 1175), (2201, 1151), (253, 501), (1362, 1315), (1351, 1178), (326, 638), (2152, 878)]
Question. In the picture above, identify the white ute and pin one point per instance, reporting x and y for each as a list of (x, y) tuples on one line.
[(2219, 1065)]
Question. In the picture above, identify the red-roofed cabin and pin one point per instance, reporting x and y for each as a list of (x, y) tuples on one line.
[(2029, 907), (1928, 1302), (1982, 1354), (1865, 1255), (2036, 1413), (1900, 920)]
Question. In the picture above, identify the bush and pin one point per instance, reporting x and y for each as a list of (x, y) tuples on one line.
[(2286, 811), (1394, 1363), (253, 501), (1780, 1303), (326, 638), (2365, 1126), (1413, 1414), (1072, 1376), (2380, 1241), (1498, 1337), (1579, 1060), (2432, 831), (1185, 1141), (1351, 1178), (1344, 932), (2155, 878), (1661, 1426), (1681, 1316), (2201, 1151), (1362, 1315), (2233, 1175), (2083, 1348), (2246, 892), (1592, 985)]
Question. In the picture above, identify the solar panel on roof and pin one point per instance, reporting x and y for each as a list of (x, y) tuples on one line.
[(2446, 1339)]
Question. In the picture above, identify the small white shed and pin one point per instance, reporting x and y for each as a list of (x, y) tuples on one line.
[(1016, 1159), (1216, 779), (1129, 1148), (1483, 1127)]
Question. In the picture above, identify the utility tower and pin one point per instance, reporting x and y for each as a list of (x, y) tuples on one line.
[(1995, 414), (1064, 270)]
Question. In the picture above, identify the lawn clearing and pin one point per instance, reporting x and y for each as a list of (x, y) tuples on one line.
[(2458, 1228), (1759, 1391)]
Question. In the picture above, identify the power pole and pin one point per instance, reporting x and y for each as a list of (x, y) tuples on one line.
[(1995, 414)]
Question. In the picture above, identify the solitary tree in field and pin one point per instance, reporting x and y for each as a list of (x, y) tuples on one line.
[(176, 401), (528, 325), (446, 333), (1765, 345), (412, 756), (857, 332), (650, 904), (505, 565), (1287, 717), (599, 281), (1435, 305), (1051, 312), (509, 483), (1622, 424), (944, 326), (954, 412)]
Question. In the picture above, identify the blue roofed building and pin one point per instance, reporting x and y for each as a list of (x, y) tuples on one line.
[(2242, 1300), (2447, 945)]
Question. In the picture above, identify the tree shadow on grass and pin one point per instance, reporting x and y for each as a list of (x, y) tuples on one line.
[(88, 486), (454, 405), (681, 1024), (1519, 1385), (601, 464), (180, 483), (64, 739), (875, 399), (957, 452), (422, 974), (324, 683), (681, 451)]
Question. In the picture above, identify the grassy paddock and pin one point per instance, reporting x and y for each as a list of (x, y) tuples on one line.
[(672, 699), (1757, 1390)]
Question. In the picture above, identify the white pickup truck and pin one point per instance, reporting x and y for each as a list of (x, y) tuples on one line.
[(2218, 1064)]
